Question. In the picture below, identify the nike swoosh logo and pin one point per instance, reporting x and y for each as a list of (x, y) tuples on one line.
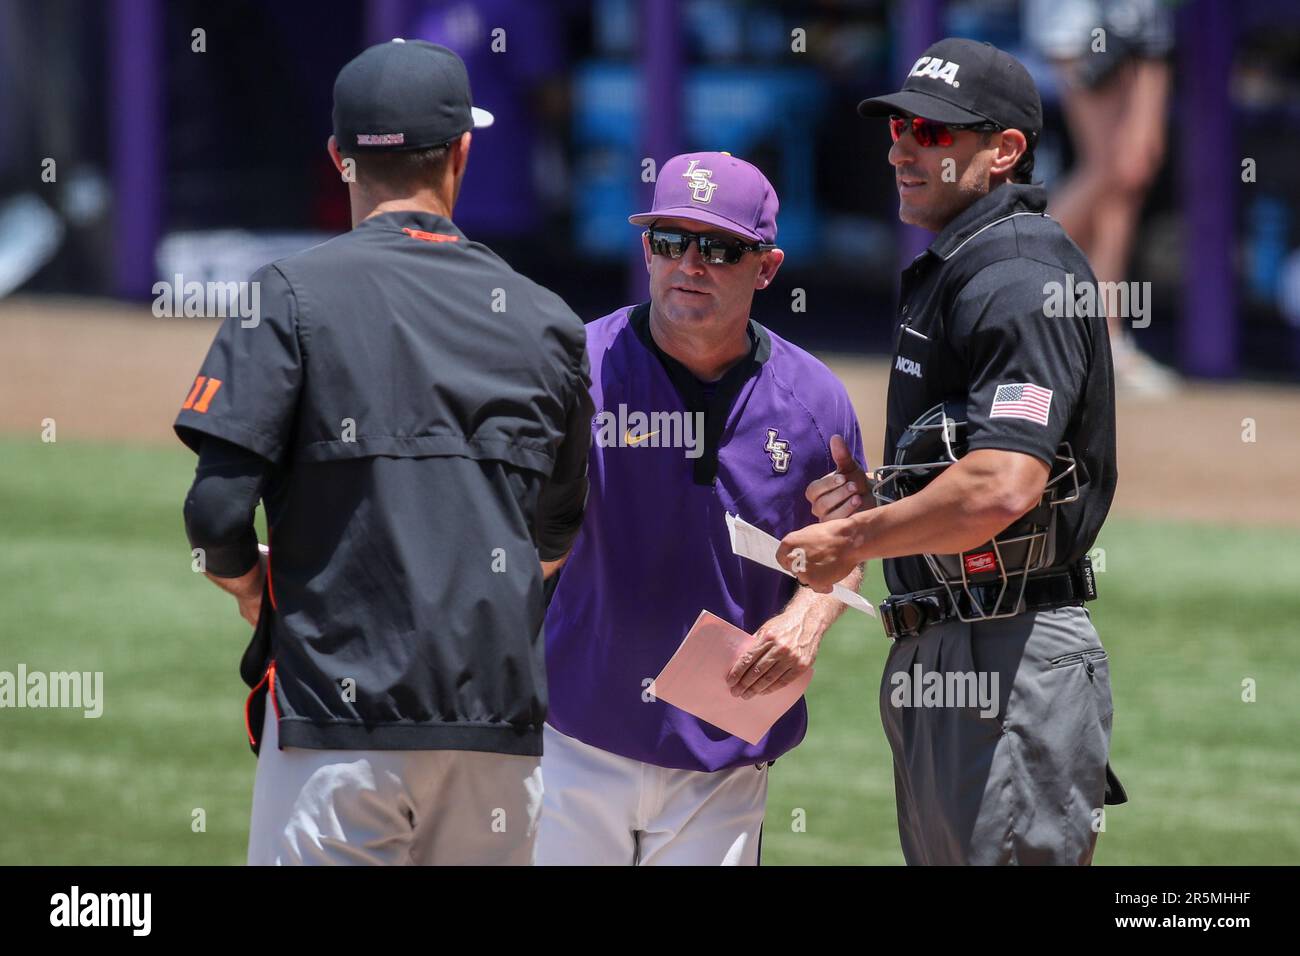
[(630, 439)]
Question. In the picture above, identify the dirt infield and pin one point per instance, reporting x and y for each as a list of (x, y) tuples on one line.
[(110, 372)]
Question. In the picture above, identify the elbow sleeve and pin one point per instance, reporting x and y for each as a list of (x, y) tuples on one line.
[(559, 517), (220, 506), (563, 498), (221, 528)]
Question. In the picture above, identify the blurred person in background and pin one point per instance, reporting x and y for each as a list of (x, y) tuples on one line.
[(1111, 56), (54, 192)]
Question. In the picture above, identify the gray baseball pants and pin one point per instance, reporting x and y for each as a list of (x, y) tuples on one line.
[(1015, 774), (392, 807)]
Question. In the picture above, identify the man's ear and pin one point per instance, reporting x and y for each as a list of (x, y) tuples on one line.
[(1011, 146), (460, 153), (772, 260), (332, 147)]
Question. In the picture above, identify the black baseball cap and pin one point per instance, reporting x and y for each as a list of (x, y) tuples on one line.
[(965, 82), (405, 94)]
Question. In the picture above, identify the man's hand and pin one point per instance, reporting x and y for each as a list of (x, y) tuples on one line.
[(821, 554), (843, 492), (246, 589), (785, 648), (550, 567)]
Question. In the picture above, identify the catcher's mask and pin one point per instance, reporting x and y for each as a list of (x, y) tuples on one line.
[(986, 582)]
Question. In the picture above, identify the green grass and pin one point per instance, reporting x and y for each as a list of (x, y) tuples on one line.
[(95, 576)]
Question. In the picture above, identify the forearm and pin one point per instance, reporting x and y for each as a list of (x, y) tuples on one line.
[(820, 611), (246, 587), (913, 525), (787, 644), (965, 506)]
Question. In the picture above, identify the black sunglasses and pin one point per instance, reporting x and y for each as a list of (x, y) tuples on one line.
[(714, 249)]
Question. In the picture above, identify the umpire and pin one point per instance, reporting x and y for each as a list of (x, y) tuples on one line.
[(1011, 416), (413, 414)]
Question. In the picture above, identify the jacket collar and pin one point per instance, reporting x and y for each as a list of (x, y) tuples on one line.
[(425, 223), (1009, 199)]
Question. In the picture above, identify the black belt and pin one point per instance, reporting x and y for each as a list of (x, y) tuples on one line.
[(906, 615)]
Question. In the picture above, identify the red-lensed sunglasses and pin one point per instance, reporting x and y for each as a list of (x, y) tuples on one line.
[(928, 132)]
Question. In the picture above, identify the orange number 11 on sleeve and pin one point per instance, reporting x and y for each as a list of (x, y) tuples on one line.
[(201, 405)]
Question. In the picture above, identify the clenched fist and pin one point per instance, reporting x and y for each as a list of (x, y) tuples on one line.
[(821, 555)]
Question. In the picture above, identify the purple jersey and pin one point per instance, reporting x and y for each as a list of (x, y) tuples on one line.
[(654, 550)]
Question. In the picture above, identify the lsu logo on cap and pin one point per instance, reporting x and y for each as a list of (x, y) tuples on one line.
[(940, 69), (701, 181)]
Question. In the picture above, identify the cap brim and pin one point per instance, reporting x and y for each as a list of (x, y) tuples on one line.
[(482, 118), (916, 103), (695, 214)]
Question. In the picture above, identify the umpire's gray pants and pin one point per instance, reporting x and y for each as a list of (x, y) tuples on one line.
[(1023, 785)]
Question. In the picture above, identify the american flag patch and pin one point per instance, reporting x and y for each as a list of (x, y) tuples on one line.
[(1022, 401)]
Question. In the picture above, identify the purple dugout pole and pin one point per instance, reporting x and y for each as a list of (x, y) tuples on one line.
[(1211, 175), (661, 111), (919, 23), (385, 19), (136, 69)]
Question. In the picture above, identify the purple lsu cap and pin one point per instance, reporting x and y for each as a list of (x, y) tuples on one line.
[(717, 189)]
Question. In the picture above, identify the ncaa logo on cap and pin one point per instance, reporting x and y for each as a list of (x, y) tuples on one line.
[(701, 180), (938, 68)]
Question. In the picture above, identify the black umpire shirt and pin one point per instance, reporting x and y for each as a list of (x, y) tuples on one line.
[(976, 323), (414, 399)]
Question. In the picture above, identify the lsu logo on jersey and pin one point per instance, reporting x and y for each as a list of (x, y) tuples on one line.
[(701, 182), (778, 449), (908, 366), (938, 69)]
